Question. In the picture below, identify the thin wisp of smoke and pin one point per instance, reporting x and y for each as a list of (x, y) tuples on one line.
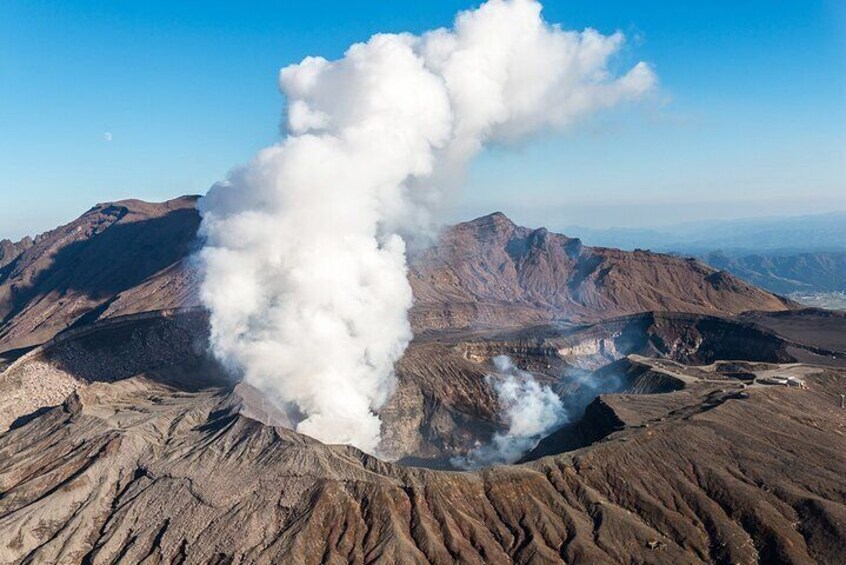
[(579, 388), (304, 258), (531, 411)]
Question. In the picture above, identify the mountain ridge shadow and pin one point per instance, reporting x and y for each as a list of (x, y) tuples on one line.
[(111, 260)]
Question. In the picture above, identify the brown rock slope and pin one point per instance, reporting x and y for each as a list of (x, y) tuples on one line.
[(117, 258), (169, 466), (133, 256), (443, 404), (492, 273), (9, 250)]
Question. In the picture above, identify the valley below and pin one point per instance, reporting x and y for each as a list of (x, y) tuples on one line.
[(827, 300)]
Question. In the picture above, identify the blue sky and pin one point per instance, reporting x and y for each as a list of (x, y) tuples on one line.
[(750, 118)]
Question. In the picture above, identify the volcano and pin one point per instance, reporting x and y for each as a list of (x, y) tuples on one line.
[(123, 440), (131, 256)]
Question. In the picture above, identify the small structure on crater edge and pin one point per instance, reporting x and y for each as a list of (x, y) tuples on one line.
[(784, 381)]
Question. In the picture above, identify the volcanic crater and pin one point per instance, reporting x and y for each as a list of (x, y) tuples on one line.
[(121, 439)]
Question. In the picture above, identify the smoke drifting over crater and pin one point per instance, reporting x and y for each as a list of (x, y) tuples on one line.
[(304, 262), (533, 411), (530, 409)]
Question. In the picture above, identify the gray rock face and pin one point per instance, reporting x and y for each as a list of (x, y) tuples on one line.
[(11, 250)]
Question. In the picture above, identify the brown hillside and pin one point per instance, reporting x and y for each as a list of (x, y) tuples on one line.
[(491, 272), (133, 256)]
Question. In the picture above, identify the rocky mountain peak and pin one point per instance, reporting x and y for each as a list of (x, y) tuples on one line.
[(131, 256), (496, 225)]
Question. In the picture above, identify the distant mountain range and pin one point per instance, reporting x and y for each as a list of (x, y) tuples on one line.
[(803, 256), (786, 272), (784, 234)]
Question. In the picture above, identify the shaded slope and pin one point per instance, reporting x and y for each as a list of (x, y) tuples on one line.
[(81, 269)]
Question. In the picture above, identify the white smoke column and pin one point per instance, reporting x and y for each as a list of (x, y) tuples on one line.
[(531, 410), (305, 274)]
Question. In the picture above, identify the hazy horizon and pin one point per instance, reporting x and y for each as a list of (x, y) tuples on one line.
[(592, 217)]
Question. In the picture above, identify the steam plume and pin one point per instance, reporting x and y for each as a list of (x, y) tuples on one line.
[(305, 274), (533, 411), (530, 409)]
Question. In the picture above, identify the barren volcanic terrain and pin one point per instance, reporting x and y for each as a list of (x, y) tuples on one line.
[(131, 256), (122, 440), (492, 273)]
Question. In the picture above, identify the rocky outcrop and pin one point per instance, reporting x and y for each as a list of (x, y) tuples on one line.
[(492, 273), (131, 256), (117, 258), (11, 250), (697, 339), (162, 469)]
